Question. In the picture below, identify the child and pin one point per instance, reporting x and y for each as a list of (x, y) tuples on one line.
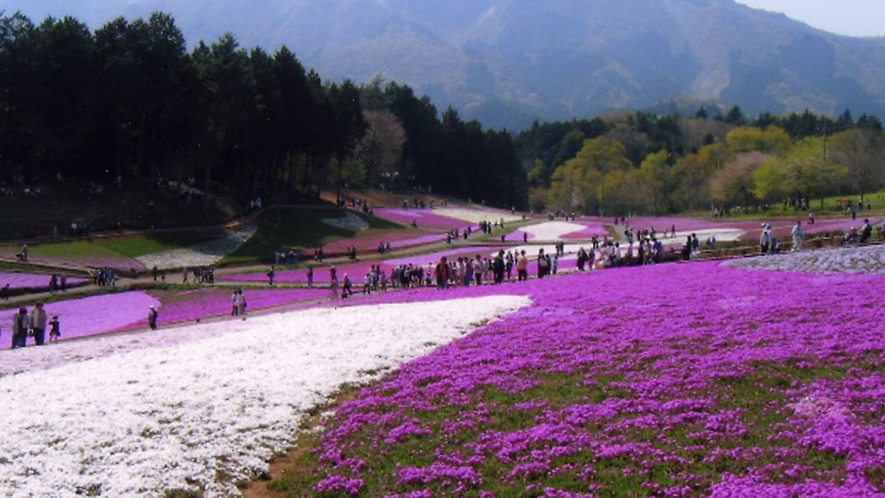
[(54, 329)]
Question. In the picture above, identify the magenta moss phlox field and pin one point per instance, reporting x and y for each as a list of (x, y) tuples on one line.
[(679, 380)]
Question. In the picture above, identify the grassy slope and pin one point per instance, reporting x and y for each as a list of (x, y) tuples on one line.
[(301, 228)]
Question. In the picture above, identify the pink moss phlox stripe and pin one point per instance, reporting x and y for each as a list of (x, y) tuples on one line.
[(518, 235), (121, 263), (97, 315), (588, 232), (425, 218), (206, 302), (32, 280), (368, 244)]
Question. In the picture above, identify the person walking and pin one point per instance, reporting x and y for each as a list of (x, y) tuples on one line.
[(152, 317), (798, 236), (241, 303), (20, 328), (38, 321)]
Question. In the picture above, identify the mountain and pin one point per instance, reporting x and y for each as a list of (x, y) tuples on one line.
[(507, 62)]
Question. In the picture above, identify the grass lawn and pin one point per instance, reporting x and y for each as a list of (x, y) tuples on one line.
[(71, 251), (149, 243), (832, 207)]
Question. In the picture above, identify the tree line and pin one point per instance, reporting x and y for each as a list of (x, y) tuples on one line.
[(129, 102), (640, 163)]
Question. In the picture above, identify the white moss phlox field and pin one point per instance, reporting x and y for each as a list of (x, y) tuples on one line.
[(552, 230), (147, 413), (849, 259), (349, 221), (203, 254), (476, 215)]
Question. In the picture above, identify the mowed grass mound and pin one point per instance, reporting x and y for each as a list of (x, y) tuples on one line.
[(677, 380), (280, 228)]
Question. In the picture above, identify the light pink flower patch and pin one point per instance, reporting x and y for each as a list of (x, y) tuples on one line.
[(370, 244), (208, 302), (589, 231), (90, 315), (424, 218), (33, 280)]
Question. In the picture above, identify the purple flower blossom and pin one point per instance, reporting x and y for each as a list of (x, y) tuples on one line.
[(665, 364)]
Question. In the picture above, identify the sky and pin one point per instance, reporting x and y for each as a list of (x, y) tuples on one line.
[(844, 17)]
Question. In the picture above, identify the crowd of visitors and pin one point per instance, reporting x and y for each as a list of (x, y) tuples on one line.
[(103, 277)]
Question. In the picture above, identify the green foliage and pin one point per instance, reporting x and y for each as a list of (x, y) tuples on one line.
[(578, 185), (772, 140), (770, 182), (809, 173), (70, 250), (657, 176), (698, 149), (862, 152), (733, 184)]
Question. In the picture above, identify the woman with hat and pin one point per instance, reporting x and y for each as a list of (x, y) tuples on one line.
[(152, 317)]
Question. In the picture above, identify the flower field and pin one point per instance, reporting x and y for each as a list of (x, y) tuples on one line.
[(759, 377), (367, 244), (208, 302), (90, 315), (96, 315), (201, 406), (32, 280), (555, 230), (672, 380), (424, 218)]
